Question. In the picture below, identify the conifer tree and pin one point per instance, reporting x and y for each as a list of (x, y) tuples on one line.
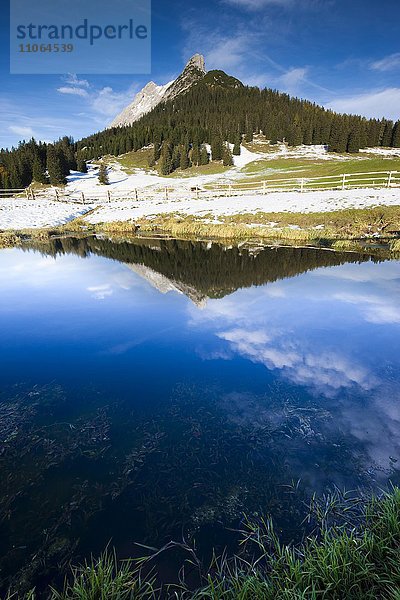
[(273, 137), (216, 147), (195, 155), (55, 166), (166, 166), (353, 144), (249, 130), (387, 134), (339, 137), (103, 175), (3, 177), (295, 136), (237, 143), (15, 178), (81, 164), (307, 135), (184, 162), (204, 156), (227, 159), (176, 157), (396, 135), (157, 149), (38, 173), (65, 146)]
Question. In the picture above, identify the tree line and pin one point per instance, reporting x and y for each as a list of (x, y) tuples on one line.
[(206, 113), (40, 162), (181, 129)]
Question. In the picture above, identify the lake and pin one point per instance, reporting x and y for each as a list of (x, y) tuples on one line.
[(156, 389)]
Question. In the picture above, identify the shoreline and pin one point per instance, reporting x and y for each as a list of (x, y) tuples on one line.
[(373, 230)]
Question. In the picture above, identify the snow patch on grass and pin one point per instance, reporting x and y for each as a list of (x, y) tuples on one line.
[(390, 152), (320, 201), (25, 214)]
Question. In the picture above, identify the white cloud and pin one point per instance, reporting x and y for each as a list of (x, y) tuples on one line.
[(326, 372), (275, 291), (72, 79), (104, 102), (221, 51), (258, 4), (21, 130), (100, 292), (109, 103), (253, 325), (74, 91), (378, 104), (226, 53), (291, 80), (241, 336), (387, 63), (376, 309)]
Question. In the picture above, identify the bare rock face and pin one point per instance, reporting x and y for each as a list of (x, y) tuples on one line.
[(197, 61), (143, 102), (152, 94), (191, 74)]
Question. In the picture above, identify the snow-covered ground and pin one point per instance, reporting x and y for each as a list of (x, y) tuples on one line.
[(320, 201), (21, 213), (313, 152), (390, 152)]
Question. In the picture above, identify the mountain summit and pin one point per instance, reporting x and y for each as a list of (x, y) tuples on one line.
[(152, 94)]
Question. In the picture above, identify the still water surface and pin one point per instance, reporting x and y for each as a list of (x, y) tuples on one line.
[(162, 387)]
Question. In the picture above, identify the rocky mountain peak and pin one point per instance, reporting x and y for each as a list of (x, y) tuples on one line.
[(191, 74), (198, 62), (152, 94), (149, 88)]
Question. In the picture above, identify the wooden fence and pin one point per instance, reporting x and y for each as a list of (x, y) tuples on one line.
[(343, 181), (12, 193), (105, 194)]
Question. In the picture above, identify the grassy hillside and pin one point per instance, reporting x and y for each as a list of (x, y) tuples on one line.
[(270, 166), (131, 161), (274, 168)]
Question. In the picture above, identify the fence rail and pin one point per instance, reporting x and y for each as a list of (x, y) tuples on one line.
[(343, 181), (12, 193)]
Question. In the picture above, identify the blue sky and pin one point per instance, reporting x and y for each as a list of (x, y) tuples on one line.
[(344, 54)]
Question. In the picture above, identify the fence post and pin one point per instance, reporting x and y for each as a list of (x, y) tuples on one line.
[(57, 195), (27, 193), (389, 181), (264, 187), (302, 186), (230, 190), (344, 181), (109, 195), (83, 197), (166, 193), (197, 192), (33, 195), (136, 194)]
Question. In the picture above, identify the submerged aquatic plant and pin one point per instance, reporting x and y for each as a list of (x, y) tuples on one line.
[(357, 560), (106, 578)]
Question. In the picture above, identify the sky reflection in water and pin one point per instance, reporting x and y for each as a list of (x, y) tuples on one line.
[(249, 386), (333, 331)]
